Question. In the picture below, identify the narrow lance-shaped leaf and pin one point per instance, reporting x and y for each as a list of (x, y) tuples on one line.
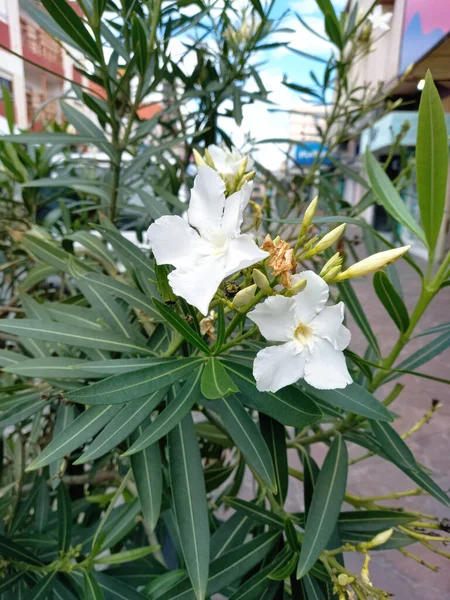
[(131, 416), (176, 410), (78, 433), (92, 591), (64, 417), (69, 334), (147, 473), (431, 161), (325, 506), (182, 327), (64, 517), (135, 384), (275, 436), (391, 300), (391, 200), (189, 500), (42, 505), (216, 383), (247, 438), (393, 445)]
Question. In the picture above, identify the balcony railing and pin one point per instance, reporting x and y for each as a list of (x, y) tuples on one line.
[(34, 101), (37, 42)]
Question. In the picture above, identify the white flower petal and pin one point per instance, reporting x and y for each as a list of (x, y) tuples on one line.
[(278, 366), (207, 202), (313, 298), (328, 325), (325, 368), (242, 252), (275, 318), (219, 156), (198, 284), (233, 214), (174, 242)]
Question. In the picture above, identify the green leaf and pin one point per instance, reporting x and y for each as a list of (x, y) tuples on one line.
[(35, 275), (70, 22), (64, 517), (86, 127), (231, 533), (42, 505), (216, 383), (431, 161), (228, 568), (290, 406), (285, 570), (8, 107), (397, 540), (74, 315), (275, 436), (51, 367), (132, 257), (393, 445), (325, 506), (92, 591), (16, 552), (10, 358), (391, 200), (147, 473), (175, 411), (36, 139), (43, 588), (135, 384), (114, 589), (64, 417), (354, 399), (50, 253), (373, 520), (130, 416), (22, 410), (237, 106), (351, 301), (77, 433), (189, 502), (426, 483), (247, 438), (312, 588), (254, 588), (131, 295), (391, 300), (422, 356), (256, 513), (69, 334), (126, 556), (182, 327)]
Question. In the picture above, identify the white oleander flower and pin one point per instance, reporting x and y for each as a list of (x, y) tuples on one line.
[(312, 339), (380, 19), (228, 162), (208, 246)]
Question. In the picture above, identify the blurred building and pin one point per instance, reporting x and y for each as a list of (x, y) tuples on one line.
[(35, 81), (418, 39)]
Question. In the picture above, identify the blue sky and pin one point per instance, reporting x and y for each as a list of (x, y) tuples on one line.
[(258, 121)]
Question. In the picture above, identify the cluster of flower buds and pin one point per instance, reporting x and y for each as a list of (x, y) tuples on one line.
[(232, 166), (332, 270)]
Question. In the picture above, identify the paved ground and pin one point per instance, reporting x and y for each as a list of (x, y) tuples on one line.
[(404, 578)]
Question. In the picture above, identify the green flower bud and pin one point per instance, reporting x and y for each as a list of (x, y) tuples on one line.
[(245, 296)]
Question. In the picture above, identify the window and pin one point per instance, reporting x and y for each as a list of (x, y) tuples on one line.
[(4, 10), (5, 82)]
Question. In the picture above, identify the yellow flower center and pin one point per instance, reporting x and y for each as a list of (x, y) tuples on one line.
[(303, 333)]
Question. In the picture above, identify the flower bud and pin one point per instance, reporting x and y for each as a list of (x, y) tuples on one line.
[(328, 240), (208, 160), (199, 161), (381, 538), (373, 263), (261, 280), (308, 217), (342, 580), (334, 261), (245, 296), (249, 176), (297, 287), (332, 274)]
